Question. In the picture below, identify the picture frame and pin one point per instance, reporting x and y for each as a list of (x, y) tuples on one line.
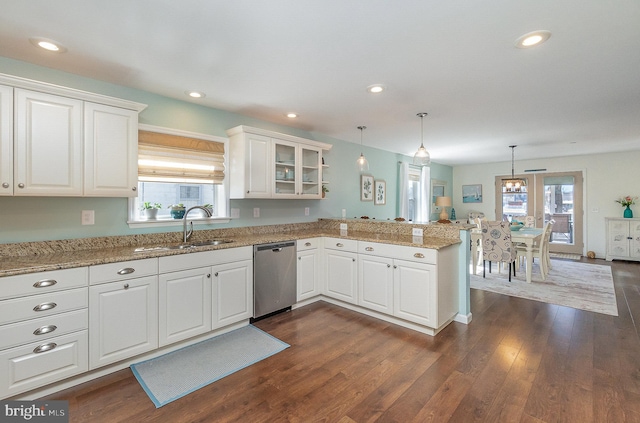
[(380, 192), (472, 193), (366, 188)]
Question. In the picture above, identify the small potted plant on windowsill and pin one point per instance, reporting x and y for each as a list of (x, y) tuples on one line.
[(324, 190), (176, 210), (150, 210)]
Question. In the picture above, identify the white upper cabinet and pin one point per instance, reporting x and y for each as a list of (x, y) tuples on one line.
[(6, 140), (57, 141), (48, 144), (111, 151), (267, 164)]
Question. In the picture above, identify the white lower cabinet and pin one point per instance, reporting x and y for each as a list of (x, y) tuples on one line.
[(123, 319), (623, 238), (43, 329), (232, 293), (341, 269), (375, 283), (185, 304), (414, 292), (308, 268)]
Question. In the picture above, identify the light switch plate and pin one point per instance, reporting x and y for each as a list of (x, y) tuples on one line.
[(416, 231), (306, 211), (88, 217)]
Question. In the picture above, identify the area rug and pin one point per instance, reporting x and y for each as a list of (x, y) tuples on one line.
[(578, 285), (178, 373)]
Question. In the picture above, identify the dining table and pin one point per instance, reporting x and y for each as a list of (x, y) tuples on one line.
[(526, 236)]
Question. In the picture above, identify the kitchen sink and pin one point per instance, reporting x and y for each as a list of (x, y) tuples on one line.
[(190, 245)]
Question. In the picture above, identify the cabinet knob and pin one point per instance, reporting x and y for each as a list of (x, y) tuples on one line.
[(247, 192), (215, 274), (45, 329), (45, 306), (134, 188), (45, 283), (21, 185), (126, 286), (209, 275), (299, 258), (44, 347), (353, 259), (5, 185), (395, 267), (388, 266)]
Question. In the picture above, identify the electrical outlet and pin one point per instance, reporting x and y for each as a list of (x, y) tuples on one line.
[(88, 217), (235, 213), (343, 226), (416, 231), (256, 212), (306, 211)]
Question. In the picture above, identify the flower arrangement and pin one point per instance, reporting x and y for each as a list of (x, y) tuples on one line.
[(627, 201)]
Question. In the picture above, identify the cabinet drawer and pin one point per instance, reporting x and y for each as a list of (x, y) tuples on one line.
[(41, 282), (36, 306), (24, 368), (37, 330), (204, 258), (307, 244), (341, 244), (399, 252), (114, 272)]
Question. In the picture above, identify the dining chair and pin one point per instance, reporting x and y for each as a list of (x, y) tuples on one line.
[(540, 251), (497, 245)]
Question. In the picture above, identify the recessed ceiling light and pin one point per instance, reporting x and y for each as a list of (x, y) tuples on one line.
[(292, 115), (195, 94), (376, 88), (48, 45), (532, 39)]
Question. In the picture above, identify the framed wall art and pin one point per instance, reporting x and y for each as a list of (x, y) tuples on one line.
[(472, 193), (366, 188), (380, 192)]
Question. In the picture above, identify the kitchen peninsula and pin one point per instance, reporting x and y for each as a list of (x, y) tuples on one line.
[(417, 282)]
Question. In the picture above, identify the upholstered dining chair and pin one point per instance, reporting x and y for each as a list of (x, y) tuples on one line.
[(540, 250), (497, 245)]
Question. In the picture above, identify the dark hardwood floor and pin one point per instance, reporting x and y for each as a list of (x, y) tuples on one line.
[(518, 361)]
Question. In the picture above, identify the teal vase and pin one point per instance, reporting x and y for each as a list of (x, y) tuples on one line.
[(628, 213)]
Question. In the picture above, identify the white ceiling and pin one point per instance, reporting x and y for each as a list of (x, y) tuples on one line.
[(578, 93)]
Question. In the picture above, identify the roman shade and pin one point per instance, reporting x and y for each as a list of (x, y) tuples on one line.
[(173, 158)]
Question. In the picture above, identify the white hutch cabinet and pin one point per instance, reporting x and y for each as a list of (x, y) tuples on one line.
[(623, 239)]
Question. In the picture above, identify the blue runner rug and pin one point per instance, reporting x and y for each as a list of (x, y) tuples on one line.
[(178, 373)]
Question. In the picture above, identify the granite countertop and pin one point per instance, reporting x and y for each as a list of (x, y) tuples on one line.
[(107, 252)]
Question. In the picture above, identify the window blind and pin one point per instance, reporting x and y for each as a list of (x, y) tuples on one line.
[(173, 158)]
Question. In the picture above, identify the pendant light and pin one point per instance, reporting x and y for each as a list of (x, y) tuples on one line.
[(422, 156), (514, 184), (362, 163)]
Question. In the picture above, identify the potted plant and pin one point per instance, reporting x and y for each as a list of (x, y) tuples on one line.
[(209, 207), (177, 210), (150, 210), (324, 190)]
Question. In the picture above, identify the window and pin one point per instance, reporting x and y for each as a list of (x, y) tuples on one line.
[(178, 167)]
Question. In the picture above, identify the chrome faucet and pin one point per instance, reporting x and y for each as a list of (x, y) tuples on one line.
[(187, 234)]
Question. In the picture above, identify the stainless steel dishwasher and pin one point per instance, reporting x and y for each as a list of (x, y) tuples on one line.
[(274, 277)]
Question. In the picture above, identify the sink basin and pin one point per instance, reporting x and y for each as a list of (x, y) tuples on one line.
[(194, 244)]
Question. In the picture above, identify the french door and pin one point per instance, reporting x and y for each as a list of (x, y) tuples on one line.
[(553, 196)]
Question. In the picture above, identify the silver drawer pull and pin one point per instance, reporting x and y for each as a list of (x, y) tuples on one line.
[(45, 329), (126, 271), (369, 249), (44, 306), (45, 283), (339, 244), (45, 347), (307, 244), (418, 255)]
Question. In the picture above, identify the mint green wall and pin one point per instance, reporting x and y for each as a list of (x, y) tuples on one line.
[(48, 218)]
